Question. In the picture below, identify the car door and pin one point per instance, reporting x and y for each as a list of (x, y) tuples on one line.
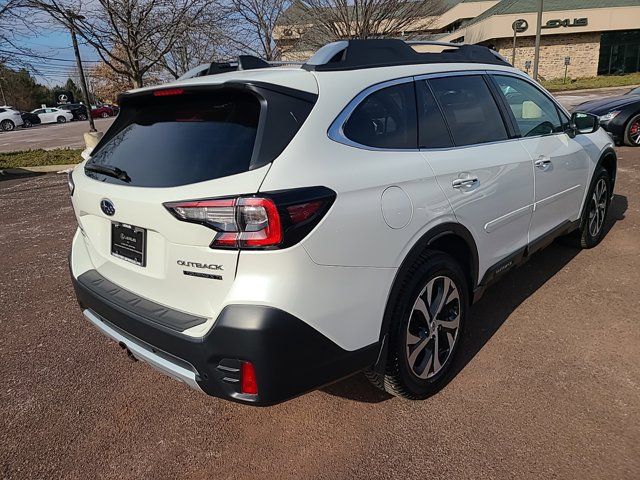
[(561, 165), (484, 173), (49, 115), (41, 114)]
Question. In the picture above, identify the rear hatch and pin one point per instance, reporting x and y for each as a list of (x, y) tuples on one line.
[(175, 145)]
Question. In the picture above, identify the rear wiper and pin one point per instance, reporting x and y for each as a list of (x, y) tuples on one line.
[(114, 172)]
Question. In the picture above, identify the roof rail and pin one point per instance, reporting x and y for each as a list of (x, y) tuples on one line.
[(244, 62), (373, 53)]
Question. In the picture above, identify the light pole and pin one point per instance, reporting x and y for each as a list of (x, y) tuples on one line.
[(519, 26), (536, 58), (4, 100), (83, 81)]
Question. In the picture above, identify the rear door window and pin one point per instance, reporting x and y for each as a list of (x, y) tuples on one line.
[(385, 119), (432, 129), (470, 109)]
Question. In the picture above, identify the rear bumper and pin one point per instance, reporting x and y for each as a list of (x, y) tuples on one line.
[(289, 356)]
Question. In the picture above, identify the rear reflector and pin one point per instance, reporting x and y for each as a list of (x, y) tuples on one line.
[(248, 382), (167, 92)]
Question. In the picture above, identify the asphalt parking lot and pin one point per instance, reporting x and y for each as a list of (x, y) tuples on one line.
[(547, 386), (53, 135)]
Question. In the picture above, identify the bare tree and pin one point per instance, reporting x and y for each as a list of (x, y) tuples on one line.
[(317, 22), (255, 24), (14, 25), (208, 39), (144, 31)]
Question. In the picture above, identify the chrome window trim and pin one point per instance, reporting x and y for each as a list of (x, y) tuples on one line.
[(336, 133), (336, 130)]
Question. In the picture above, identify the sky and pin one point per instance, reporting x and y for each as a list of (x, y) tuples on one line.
[(56, 46)]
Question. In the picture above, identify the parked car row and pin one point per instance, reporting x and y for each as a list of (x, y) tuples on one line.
[(11, 118)]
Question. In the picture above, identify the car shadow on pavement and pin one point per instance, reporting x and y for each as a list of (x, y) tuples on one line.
[(17, 173), (493, 309)]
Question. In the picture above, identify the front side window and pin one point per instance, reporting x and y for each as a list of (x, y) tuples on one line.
[(385, 119), (470, 110), (534, 112)]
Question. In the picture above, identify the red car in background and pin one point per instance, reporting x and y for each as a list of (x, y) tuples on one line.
[(103, 111)]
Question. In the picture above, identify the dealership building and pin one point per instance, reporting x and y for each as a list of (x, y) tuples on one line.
[(587, 37)]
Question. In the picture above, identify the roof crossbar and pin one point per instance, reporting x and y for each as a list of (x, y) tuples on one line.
[(373, 53)]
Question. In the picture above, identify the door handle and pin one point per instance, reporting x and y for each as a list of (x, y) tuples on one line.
[(464, 182), (542, 162)]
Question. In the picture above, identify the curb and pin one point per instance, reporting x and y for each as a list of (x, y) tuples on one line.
[(592, 90), (37, 169)]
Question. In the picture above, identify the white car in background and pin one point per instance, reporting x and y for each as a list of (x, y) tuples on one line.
[(53, 115), (9, 118)]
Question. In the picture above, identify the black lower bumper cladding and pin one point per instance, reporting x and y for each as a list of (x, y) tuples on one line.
[(289, 356)]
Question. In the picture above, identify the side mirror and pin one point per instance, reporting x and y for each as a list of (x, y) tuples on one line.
[(583, 123)]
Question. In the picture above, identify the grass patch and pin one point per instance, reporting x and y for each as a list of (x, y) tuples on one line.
[(35, 158), (602, 81)]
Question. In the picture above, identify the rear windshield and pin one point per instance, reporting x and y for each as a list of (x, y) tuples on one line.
[(182, 139)]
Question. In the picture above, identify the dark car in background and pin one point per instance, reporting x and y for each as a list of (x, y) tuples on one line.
[(619, 115), (78, 110), (29, 119)]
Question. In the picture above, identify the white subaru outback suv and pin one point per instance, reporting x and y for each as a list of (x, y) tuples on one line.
[(261, 232)]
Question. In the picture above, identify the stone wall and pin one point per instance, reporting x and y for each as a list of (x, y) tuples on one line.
[(583, 48)]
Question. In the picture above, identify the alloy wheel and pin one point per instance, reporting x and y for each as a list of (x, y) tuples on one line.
[(598, 207), (432, 330), (634, 132), (7, 125)]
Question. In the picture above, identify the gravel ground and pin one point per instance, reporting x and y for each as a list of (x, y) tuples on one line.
[(548, 385)]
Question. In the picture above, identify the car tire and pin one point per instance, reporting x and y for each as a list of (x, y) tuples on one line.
[(27, 123), (104, 115), (82, 116), (421, 350), (632, 132), (592, 222), (7, 126), (61, 120)]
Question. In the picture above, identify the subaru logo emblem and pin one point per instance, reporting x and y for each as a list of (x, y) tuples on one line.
[(107, 207)]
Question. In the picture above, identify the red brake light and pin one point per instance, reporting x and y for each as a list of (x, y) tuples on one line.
[(259, 221), (168, 92), (248, 382)]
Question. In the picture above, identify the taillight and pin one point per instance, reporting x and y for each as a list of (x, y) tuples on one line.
[(275, 220)]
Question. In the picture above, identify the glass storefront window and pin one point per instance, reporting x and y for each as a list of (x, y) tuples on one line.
[(619, 52)]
